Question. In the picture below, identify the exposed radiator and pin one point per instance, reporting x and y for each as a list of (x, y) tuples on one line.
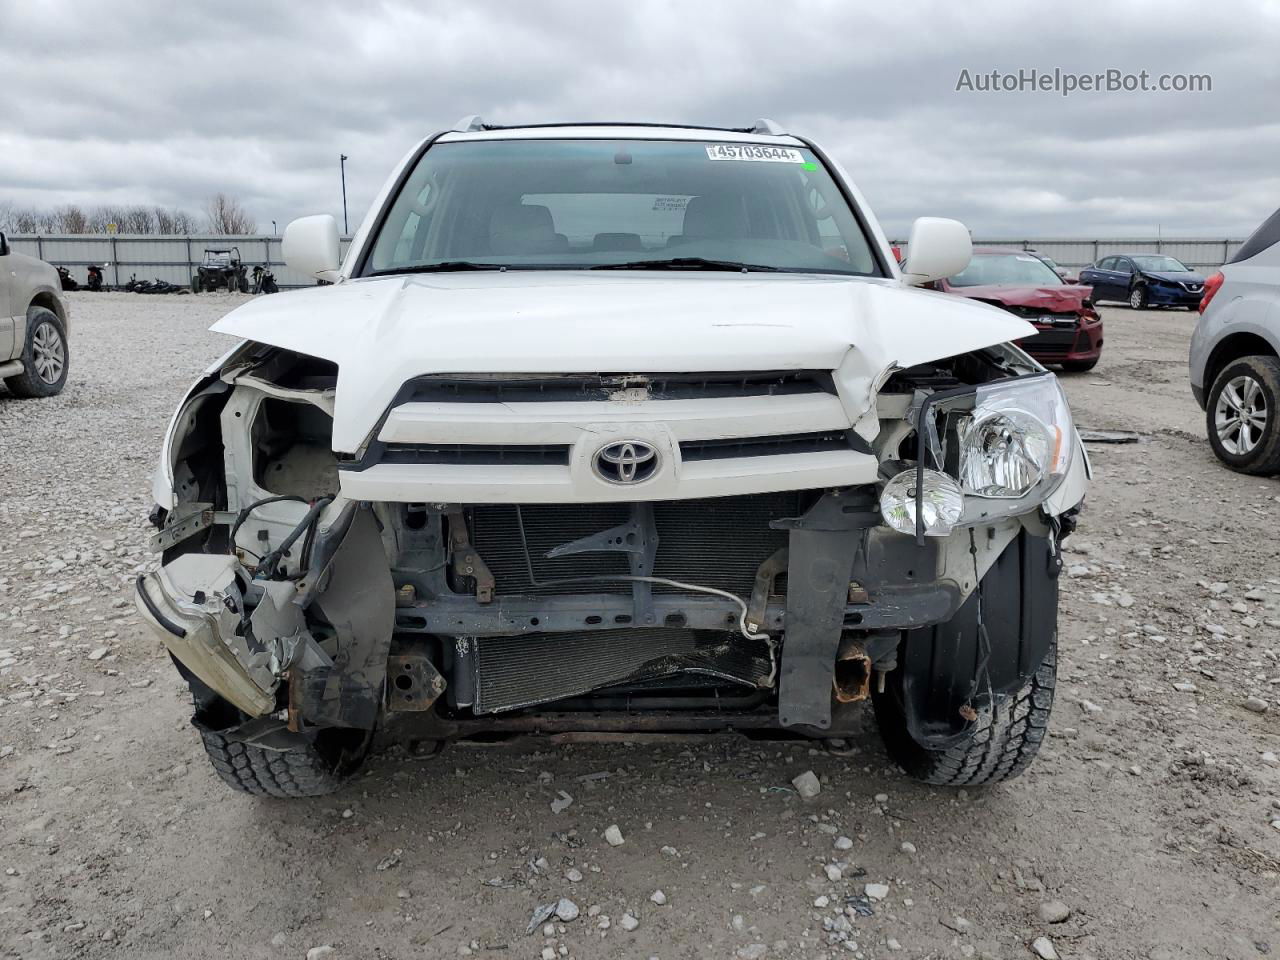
[(521, 671), (715, 542)]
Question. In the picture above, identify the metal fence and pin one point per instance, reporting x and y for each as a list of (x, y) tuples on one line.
[(175, 258), (1201, 253), (169, 258)]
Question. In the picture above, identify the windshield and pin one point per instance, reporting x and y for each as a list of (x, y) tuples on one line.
[(575, 204), (1005, 269), (1161, 264)]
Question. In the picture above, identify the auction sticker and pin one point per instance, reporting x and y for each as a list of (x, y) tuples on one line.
[(754, 151)]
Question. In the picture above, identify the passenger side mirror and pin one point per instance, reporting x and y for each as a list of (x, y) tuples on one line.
[(937, 248), (4, 245), (311, 246)]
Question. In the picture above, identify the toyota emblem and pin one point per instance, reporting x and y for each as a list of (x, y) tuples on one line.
[(626, 461)]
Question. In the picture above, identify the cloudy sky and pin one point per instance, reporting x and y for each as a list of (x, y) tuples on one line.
[(166, 103)]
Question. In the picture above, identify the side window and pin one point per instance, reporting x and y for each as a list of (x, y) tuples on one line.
[(1123, 265), (1107, 263)]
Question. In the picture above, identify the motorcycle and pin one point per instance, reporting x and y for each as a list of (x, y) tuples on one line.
[(264, 281), (94, 281), (64, 277)]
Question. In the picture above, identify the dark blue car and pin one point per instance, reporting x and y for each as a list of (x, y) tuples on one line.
[(1144, 280)]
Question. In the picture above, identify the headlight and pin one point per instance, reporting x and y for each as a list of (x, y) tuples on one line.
[(939, 503), (1008, 444)]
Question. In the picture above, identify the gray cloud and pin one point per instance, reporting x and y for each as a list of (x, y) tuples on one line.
[(167, 104)]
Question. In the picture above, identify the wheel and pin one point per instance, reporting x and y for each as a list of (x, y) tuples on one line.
[(934, 712), (1079, 366), (44, 357), (195, 283), (308, 770), (1240, 412), (244, 284), (1138, 297), (999, 747)]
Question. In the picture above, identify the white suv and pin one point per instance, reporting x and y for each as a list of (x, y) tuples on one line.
[(33, 325), (608, 427)]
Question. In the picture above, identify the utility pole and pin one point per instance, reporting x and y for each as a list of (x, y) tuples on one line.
[(342, 164)]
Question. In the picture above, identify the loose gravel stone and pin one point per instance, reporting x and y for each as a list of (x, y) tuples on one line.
[(613, 835), (1054, 911), (1256, 705), (807, 785), (1042, 947)]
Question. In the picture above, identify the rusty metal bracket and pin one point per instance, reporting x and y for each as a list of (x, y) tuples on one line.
[(195, 518), (413, 682), (766, 576), (466, 561)]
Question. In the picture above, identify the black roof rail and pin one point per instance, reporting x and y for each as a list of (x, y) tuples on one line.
[(475, 123)]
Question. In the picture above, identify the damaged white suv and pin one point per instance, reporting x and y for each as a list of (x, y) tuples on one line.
[(607, 428)]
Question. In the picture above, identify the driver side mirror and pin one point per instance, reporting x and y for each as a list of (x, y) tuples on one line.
[(311, 246), (4, 245), (937, 248)]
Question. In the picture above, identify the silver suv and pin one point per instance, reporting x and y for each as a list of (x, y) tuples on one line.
[(33, 326), (1235, 354)]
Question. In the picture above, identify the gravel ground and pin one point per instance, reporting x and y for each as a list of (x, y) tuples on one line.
[(1149, 827)]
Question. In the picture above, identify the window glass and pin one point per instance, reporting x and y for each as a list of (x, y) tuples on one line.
[(570, 204), (1006, 269)]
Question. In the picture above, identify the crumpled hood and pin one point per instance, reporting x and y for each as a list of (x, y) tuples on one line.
[(1064, 299), (382, 332)]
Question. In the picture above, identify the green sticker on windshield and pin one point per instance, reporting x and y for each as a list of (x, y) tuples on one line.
[(809, 165)]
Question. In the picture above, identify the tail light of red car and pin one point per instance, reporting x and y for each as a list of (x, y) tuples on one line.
[(1211, 286)]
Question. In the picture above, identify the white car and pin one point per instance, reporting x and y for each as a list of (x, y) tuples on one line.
[(33, 326), (609, 427), (1235, 355)]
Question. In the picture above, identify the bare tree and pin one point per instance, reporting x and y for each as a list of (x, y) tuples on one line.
[(72, 219), (226, 216), (6, 215)]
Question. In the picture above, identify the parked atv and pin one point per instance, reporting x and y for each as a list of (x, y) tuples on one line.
[(264, 281), (221, 270)]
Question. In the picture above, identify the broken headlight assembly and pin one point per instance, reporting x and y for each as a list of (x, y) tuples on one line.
[(1005, 446)]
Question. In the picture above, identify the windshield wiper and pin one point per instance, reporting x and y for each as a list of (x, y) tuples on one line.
[(686, 263), (445, 266)]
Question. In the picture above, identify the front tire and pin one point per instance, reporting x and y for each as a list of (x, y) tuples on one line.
[(1138, 297), (45, 357), (1001, 744), (307, 770), (1241, 415)]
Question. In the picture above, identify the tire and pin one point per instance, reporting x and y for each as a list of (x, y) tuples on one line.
[(310, 770), (999, 747), (1242, 415), (935, 711), (244, 284), (195, 284), (45, 357), (1138, 297)]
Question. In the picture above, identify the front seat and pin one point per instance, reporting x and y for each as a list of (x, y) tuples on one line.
[(524, 228), (713, 216)]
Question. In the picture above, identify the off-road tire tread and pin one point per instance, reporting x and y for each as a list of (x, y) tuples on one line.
[(1265, 457), (998, 749), (270, 773)]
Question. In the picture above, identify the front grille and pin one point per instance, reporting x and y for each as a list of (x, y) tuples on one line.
[(715, 542), (476, 453), (1060, 340), (601, 387), (1035, 313), (735, 448)]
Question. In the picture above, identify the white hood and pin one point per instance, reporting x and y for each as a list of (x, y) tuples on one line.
[(383, 332)]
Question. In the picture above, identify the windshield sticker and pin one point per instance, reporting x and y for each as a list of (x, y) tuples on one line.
[(670, 203), (754, 151)]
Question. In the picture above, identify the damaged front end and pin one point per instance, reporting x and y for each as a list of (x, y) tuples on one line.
[(295, 607)]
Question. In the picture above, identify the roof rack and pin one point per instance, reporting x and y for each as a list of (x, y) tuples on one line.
[(475, 123)]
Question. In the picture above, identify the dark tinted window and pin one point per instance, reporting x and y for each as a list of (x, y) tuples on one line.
[(1265, 236)]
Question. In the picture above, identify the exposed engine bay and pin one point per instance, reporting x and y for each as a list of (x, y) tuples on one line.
[(304, 610)]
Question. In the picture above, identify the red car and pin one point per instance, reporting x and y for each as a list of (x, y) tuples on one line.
[(1070, 328)]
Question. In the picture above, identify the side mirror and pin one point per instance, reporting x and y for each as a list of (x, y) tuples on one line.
[(4, 245), (938, 248), (311, 246)]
